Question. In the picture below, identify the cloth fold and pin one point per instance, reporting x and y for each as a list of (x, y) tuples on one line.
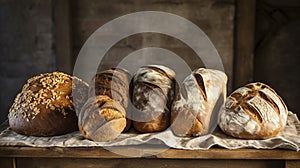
[(289, 138)]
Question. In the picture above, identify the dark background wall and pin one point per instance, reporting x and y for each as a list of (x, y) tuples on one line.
[(214, 17), (26, 45), (277, 51), (39, 36)]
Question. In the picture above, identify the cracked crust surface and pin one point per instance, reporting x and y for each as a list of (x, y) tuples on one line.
[(254, 111)]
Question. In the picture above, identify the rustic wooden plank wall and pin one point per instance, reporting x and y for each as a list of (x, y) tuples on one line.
[(277, 48), (63, 46), (53, 40), (214, 17), (244, 42)]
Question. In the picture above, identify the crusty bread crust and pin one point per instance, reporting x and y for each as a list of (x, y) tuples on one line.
[(113, 83), (101, 119), (45, 105), (152, 95), (254, 111), (195, 102)]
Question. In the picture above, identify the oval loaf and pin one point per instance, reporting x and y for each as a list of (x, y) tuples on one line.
[(152, 95), (113, 83), (101, 119), (201, 95)]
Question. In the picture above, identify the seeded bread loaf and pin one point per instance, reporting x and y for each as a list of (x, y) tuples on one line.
[(201, 95), (254, 111), (152, 95), (101, 119), (45, 105), (113, 83)]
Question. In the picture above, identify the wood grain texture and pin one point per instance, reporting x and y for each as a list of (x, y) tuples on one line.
[(244, 54), (292, 164), (7, 162), (98, 152), (144, 163), (214, 17), (62, 14)]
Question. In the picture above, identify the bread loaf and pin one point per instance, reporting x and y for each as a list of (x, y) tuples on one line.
[(196, 102), (254, 111), (101, 119), (45, 105), (152, 95), (113, 83)]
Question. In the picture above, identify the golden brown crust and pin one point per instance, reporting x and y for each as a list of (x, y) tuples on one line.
[(45, 106), (102, 119), (113, 83), (160, 123), (186, 123)]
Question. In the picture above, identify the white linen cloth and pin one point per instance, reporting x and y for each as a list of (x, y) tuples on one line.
[(289, 138)]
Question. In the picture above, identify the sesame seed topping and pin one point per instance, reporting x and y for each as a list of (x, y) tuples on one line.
[(46, 91)]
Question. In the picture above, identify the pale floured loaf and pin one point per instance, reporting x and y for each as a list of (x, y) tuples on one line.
[(254, 111), (201, 93)]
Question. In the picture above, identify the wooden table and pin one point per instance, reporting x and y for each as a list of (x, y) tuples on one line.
[(98, 157), (74, 157)]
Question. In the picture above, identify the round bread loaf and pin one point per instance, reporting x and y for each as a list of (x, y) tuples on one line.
[(152, 95), (254, 111), (101, 119), (113, 83), (45, 105), (201, 95)]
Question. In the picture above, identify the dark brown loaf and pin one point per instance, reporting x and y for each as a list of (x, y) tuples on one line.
[(254, 111), (201, 94), (152, 95), (45, 105), (102, 119), (113, 83)]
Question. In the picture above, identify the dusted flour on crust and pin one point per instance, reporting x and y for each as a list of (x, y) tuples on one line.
[(152, 95), (194, 105), (254, 111)]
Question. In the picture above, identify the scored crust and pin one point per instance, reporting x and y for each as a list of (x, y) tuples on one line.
[(102, 119), (195, 103), (254, 111), (152, 95), (114, 83)]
